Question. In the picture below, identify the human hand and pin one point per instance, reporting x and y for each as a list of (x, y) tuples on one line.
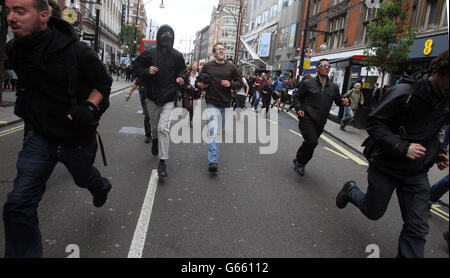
[(301, 113), (416, 151), (345, 101), (85, 114), (202, 85), (180, 81), (226, 83), (127, 97), (153, 70), (442, 161)]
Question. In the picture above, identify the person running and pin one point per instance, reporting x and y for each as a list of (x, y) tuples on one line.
[(402, 146), (267, 91), (142, 98), (279, 89), (242, 94), (161, 71), (224, 78), (61, 107), (259, 82), (356, 98), (191, 92), (313, 102)]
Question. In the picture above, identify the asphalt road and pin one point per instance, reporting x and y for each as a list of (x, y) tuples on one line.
[(256, 206)]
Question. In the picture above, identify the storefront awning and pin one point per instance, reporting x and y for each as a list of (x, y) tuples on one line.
[(253, 53)]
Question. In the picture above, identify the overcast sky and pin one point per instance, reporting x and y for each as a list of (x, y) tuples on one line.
[(186, 17)]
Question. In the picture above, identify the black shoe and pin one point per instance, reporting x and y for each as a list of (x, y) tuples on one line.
[(299, 168), (101, 197), (155, 151), (342, 127), (342, 197), (212, 167), (148, 139), (162, 169)]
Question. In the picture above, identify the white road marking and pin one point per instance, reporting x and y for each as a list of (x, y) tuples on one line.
[(140, 234)]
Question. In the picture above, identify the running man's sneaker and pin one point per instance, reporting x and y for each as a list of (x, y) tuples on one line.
[(342, 198), (162, 169), (212, 167)]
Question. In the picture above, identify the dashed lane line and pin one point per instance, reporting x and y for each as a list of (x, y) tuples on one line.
[(140, 234), (338, 147)]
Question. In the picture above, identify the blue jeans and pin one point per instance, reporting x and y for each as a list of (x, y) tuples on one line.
[(216, 122), (439, 189), (348, 116), (256, 101), (35, 164), (413, 194)]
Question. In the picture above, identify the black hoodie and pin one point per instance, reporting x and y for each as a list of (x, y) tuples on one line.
[(161, 87), (41, 63), (410, 112)]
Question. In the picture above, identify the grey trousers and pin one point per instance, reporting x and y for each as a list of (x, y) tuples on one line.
[(160, 122)]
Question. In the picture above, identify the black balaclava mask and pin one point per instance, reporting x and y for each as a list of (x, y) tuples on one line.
[(163, 39)]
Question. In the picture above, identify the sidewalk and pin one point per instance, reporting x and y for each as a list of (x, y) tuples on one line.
[(7, 116)]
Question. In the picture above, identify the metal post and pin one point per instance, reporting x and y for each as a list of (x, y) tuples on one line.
[(305, 32), (238, 31), (97, 27), (135, 29), (128, 12)]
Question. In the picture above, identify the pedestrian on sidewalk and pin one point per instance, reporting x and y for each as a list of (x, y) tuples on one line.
[(13, 79), (402, 146), (242, 94), (142, 98), (356, 98), (224, 78), (61, 106), (312, 101), (161, 70)]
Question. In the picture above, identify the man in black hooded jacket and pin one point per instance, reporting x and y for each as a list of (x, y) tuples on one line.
[(63, 89), (403, 145), (161, 69)]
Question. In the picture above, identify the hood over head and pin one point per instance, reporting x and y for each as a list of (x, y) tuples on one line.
[(165, 42)]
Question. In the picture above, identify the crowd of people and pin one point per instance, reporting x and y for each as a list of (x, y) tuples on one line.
[(62, 113)]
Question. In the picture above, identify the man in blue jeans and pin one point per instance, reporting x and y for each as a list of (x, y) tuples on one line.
[(224, 78), (61, 99), (403, 145)]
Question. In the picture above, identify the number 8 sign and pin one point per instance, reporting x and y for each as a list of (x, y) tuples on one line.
[(427, 49)]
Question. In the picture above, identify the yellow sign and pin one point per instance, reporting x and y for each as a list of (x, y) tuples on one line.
[(427, 49), (307, 64)]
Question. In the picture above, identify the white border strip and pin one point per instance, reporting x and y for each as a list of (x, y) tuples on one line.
[(140, 234)]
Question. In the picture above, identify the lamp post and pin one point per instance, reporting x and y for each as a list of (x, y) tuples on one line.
[(305, 35)]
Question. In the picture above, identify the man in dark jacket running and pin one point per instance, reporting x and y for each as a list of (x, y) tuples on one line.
[(312, 102), (161, 70), (403, 145), (63, 89)]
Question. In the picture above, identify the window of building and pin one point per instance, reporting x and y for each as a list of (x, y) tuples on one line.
[(283, 37), (291, 2), (266, 16), (336, 27), (429, 15), (280, 5), (369, 15), (258, 21), (275, 10), (292, 35)]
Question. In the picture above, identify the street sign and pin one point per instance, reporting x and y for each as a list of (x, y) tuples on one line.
[(88, 37), (268, 67), (307, 64), (308, 51)]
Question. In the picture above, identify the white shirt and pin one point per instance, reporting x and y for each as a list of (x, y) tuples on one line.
[(242, 90), (192, 79)]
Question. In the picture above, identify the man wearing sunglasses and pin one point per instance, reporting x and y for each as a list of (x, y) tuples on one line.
[(312, 103)]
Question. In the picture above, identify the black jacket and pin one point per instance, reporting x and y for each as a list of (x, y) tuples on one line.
[(41, 63), (409, 113), (316, 100), (161, 87)]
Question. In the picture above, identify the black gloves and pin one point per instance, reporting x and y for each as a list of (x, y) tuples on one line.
[(85, 114)]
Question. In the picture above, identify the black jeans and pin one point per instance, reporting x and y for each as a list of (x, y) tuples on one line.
[(311, 134), (36, 162), (413, 194), (147, 125)]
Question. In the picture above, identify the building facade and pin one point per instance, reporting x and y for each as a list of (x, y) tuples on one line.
[(224, 24)]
